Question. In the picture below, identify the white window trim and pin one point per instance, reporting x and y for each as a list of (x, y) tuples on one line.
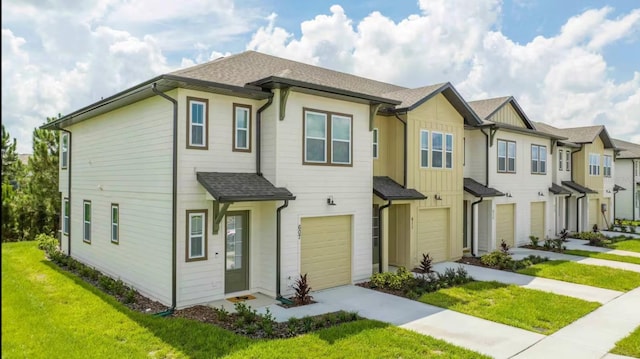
[(594, 169), (86, 237), (192, 214), (376, 140), (507, 156), (115, 223), (64, 160), (423, 148), (203, 124), (334, 116), (538, 149), (447, 151), (237, 129), (66, 208), (433, 151), (606, 167), (307, 137), (568, 162), (560, 160)]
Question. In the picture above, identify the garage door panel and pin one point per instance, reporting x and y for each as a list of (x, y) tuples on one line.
[(593, 212), (326, 251), (505, 224), (537, 219), (433, 234)]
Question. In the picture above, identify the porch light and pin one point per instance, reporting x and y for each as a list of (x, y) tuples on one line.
[(330, 201), (540, 194)]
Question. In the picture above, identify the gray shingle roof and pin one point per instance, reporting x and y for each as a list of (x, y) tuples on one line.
[(577, 187), (485, 108), (629, 149), (557, 189), (479, 190), (409, 97), (241, 187), (617, 188), (388, 189), (585, 134)]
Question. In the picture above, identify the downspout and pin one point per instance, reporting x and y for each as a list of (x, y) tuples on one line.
[(278, 240), (404, 175), (633, 192), (174, 201), (68, 191), (380, 234), (473, 237), (258, 136)]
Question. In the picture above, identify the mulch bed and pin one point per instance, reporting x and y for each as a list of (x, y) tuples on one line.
[(475, 261), (539, 248), (368, 285)]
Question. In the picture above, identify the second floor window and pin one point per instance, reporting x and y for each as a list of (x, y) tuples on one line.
[(115, 223), (375, 143), (424, 148), (64, 150), (436, 150), (560, 160), (594, 164), (327, 138), (441, 148), (568, 161), (65, 217), (607, 166), (198, 121), (242, 128), (506, 156), (86, 214), (448, 148), (538, 159)]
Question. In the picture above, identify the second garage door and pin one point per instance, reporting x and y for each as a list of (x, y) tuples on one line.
[(433, 234), (504, 224), (593, 213), (326, 251), (537, 219)]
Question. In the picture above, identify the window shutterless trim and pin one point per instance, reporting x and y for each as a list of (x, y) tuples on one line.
[(66, 209), (538, 149), (506, 156), (235, 128), (116, 223), (376, 142), (567, 161), (205, 134), (441, 150), (605, 167), (84, 221), (64, 160), (187, 247), (424, 150), (448, 135), (328, 139)]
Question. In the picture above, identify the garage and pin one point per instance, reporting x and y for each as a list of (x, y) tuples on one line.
[(433, 234), (326, 251), (593, 213), (537, 219), (505, 224)]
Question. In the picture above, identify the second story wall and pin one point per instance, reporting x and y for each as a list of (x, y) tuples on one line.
[(475, 161), (509, 116), (390, 154), (581, 165)]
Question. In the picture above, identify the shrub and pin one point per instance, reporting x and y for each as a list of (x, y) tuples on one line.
[(47, 243), (425, 264), (395, 281), (564, 235), (595, 228), (547, 243), (130, 296), (246, 315), (497, 259), (534, 240), (302, 289), (504, 247)]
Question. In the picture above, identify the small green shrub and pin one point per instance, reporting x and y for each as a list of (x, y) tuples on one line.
[(130, 296), (535, 241), (47, 243), (504, 247), (246, 313), (497, 259), (395, 281)]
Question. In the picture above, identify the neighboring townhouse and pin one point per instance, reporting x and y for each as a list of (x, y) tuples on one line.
[(418, 152), (507, 177), (627, 180), (583, 177)]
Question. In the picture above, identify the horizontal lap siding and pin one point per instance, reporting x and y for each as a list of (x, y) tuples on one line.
[(433, 234), (505, 224)]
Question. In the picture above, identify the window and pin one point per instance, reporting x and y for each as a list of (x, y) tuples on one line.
[(538, 159), (424, 148), (560, 160), (115, 223), (448, 155), (607, 166), (506, 156), (568, 161), (86, 214), (318, 128), (65, 150), (196, 235), (198, 120), (436, 150), (242, 128), (65, 216), (594, 164), (375, 143)]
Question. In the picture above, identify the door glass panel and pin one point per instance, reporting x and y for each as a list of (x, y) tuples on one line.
[(234, 242)]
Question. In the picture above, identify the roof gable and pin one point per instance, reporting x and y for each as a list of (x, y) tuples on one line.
[(502, 109), (627, 149), (580, 135)]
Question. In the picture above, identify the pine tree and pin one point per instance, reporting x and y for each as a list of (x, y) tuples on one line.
[(10, 161)]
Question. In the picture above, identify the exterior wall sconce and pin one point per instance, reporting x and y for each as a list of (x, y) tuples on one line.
[(437, 197), (509, 195), (608, 191), (330, 201), (540, 194)]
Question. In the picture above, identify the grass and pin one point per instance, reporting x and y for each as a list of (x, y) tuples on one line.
[(629, 346), (632, 245), (595, 276), (607, 256), (48, 312), (529, 309)]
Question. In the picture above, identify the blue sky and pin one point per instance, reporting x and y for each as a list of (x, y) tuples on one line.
[(568, 63)]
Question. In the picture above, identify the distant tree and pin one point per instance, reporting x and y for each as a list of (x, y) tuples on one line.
[(10, 160)]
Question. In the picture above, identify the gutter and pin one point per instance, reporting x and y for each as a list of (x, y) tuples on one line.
[(473, 237), (174, 200), (258, 136), (68, 192), (404, 176), (380, 209), (279, 296)]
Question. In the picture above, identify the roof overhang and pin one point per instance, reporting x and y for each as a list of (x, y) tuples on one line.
[(388, 189), (578, 188), (477, 189), (527, 131), (241, 187), (618, 188), (557, 189)]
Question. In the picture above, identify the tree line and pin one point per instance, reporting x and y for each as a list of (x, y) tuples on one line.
[(30, 194)]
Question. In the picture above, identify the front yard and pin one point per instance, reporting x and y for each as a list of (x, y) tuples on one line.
[(632, 245), (48, 312), (630, 345), (601, 255)]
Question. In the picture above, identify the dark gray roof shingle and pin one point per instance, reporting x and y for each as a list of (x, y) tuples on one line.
[(628, 149), (388, 189), (557, 189), (479, 190), (241, 187), (577, 187), (617, 188)]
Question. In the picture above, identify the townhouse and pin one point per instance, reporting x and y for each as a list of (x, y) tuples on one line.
[(627, 181)]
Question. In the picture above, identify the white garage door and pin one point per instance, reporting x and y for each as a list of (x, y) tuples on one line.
[(504, 224), (433, 234)]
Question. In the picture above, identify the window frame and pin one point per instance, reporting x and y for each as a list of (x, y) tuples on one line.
[(594, 169), (328, 138), (66, 213), (537, 149), (375, 143), (568, 161), (448, 166), (64, 151), (560, 159), (85, 222), (507, 156), (248, 129), (434, 151), (205, 124), (424, 151), (116, 223), (205, 244), (606, 173)]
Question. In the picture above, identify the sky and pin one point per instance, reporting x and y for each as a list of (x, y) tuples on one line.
[(567, 63)]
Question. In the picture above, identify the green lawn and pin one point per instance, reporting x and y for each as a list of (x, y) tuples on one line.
[(600, 255), (630, 345), (595, 276), (529, 309), (632, 245), (47, 312)]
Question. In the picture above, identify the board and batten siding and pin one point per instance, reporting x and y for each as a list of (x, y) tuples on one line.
[(509, 116), (390, 161), (125, 157)]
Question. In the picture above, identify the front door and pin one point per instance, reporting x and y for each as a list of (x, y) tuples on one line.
[(237, 252)]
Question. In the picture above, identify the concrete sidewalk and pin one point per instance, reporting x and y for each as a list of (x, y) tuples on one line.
[(583, 245), (580, 291), (593, 335), (484, 336), (519, 253)]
